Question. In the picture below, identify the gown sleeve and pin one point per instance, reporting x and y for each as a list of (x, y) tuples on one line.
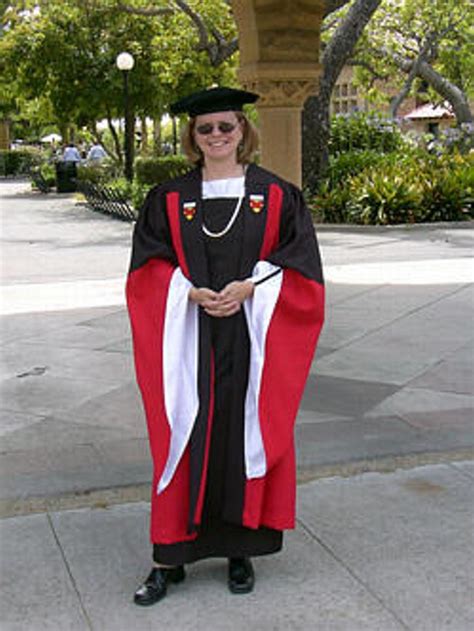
[(297, 247), (152, 237), (284, 316), (164, 326)]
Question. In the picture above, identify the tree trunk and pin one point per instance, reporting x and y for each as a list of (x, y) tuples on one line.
[(316, 132), (157, 136), (447, 90), (316, 115), (333, 5), (144, 140), (115, 138), (397, 100), (63, 130)]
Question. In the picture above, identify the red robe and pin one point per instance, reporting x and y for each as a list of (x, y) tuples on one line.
[(174, 359)]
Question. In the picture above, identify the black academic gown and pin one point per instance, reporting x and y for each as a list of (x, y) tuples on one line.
[(222, 443)]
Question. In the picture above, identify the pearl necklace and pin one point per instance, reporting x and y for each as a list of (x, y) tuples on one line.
[(217, 235)]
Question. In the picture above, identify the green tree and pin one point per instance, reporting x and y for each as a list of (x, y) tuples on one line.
[(64, 52), (401, 42), (422, 41)]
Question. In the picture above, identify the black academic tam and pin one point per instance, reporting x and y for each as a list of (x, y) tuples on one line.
[(213, 100)]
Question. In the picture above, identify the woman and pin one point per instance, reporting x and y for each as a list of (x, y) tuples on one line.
[(225, 295)]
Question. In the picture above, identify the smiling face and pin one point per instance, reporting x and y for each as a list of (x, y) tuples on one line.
[(218, 136)]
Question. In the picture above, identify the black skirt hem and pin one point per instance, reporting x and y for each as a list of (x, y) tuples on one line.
[(220, 541), (186, 556)]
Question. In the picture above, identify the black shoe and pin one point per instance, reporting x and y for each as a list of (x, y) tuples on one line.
[(154, 588), (241, 576)]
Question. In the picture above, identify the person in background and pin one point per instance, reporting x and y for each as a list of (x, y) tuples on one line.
[(96, 153), (71, 153)]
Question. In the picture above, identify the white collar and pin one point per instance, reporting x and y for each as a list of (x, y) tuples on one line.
[(227, 187)]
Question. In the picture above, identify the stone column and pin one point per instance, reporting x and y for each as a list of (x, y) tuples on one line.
[(279, 108), (279, 59)]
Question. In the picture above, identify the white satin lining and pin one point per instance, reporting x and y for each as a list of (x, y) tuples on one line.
[(262, 270), (258, 311), (180, 370)]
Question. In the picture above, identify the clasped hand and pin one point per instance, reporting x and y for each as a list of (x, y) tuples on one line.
[(224, 303)]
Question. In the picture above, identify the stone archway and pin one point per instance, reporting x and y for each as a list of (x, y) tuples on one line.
[(279, 59)]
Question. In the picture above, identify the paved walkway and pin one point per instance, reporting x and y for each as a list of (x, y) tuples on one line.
[(373, 552), (391, 387)]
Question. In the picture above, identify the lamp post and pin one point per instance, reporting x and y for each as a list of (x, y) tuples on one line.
[(125, 63)]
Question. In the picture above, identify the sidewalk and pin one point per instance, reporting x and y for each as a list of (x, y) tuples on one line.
[(391, 389), (374, 552)]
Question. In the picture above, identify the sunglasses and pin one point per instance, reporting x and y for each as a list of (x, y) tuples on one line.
[(222, 126)]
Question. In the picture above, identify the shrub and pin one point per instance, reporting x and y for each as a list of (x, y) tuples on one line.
[(360, 131), (138, 194), (48, 171), (19, 161), (448, 188), (330, 204), (451, 140), (350, 163), (401, 188), (133, 192), (101, 173), (148, 172), (121, 186), (383, 196), (153, 171)]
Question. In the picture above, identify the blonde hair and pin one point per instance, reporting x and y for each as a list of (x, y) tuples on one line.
[(246, 149)]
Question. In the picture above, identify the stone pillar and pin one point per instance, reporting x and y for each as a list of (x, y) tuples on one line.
[(279, 59)]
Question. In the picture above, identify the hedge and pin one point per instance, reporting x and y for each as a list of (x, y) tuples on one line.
[(19, 161), (153, 171)]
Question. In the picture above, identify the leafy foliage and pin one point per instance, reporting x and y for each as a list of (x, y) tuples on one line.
[(153, 171), (138, 194), (100, 173), (440, 31), (452, 139), (383, 196), (350, 163), (377, 176), (18, 162), (362, 131), (48, 173), (448, 188), (57, 59), (402, 188)]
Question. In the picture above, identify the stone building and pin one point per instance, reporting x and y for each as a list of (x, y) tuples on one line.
[(348, 97)]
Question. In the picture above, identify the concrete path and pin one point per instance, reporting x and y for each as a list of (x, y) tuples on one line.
[(374, 552), (392, 382)]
